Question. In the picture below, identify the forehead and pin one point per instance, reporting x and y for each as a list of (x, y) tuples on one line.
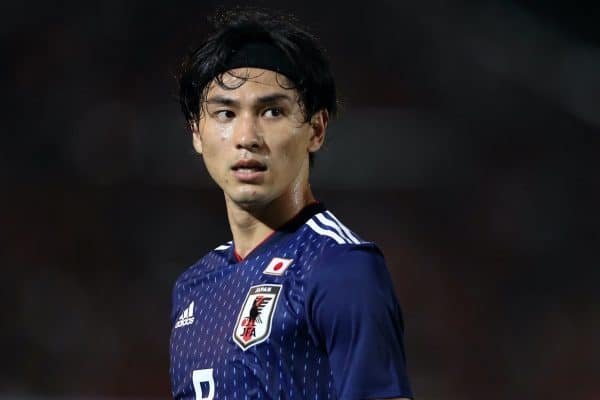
[(249, 82)]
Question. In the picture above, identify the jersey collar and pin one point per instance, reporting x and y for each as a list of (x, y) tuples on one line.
[(289, 227)]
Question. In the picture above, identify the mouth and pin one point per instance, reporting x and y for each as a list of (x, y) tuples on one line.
[(249, 171), (249, 166)]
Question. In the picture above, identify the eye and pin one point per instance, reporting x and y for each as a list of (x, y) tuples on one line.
[(273, 112), (224, 115)]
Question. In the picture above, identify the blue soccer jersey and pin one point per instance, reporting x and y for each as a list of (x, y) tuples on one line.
[(309, 314)]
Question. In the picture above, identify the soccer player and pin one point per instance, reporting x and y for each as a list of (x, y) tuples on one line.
[(296, 306)]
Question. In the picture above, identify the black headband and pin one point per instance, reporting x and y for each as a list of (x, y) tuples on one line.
[(261, 55)]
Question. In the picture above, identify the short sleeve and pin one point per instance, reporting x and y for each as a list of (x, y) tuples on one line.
[(353, 313)]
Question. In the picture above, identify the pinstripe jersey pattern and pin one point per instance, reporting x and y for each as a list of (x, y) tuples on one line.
[(289, 363)]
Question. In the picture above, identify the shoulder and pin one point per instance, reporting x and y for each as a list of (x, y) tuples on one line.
[(342, 252), (183, 285), (209, 262), (350, 266), (344, 257), (326, 225)]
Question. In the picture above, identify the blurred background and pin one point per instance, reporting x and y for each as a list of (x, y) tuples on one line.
[(467, 147)]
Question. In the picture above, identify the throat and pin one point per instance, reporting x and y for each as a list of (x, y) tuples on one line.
[(251, 227), (241, 252)]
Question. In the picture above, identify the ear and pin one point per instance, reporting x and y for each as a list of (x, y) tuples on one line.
[(318, 125), (196, 139)]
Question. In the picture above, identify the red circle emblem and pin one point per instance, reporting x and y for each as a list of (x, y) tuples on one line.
[(277, 266)]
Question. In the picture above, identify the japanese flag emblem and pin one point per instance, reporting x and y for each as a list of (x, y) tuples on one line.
[(277, 266), (254, 322)]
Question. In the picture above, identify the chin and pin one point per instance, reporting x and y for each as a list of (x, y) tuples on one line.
[(249, 199)]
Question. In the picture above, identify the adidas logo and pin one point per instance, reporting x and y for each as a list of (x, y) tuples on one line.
[(186, 317)]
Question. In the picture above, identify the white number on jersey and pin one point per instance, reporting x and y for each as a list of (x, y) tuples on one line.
[(203, 376)]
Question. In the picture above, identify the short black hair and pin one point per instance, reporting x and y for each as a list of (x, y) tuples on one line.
[(235, 28)]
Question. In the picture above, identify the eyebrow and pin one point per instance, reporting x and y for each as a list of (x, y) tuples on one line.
[(268, 99)]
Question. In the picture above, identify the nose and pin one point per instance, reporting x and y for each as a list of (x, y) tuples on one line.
[(247, 133)]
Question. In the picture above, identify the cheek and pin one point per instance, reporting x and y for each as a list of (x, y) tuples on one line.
[(224, 132), (295, 147), (214, 146), (214, 137)]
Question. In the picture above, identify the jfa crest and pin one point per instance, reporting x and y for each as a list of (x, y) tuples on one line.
[(253, 325)]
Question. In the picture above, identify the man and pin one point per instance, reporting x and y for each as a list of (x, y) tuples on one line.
[(296, 306)]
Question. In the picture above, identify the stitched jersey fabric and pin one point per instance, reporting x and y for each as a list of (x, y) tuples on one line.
[(309, 314)]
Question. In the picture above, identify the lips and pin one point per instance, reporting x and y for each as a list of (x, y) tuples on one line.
[(249, 171), (253, 165)]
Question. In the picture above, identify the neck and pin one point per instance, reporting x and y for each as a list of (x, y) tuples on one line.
[(250, 225)]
